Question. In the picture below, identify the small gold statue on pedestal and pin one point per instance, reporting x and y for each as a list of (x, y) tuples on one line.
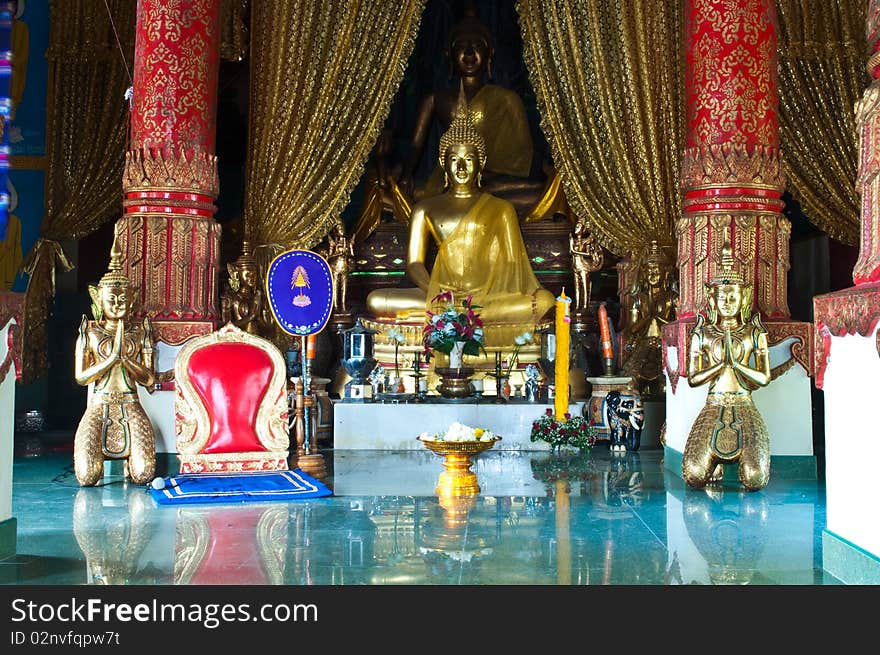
[(242, 301), (653, 306), (729, 428), (340, 255), (586, 257), (115, 358)]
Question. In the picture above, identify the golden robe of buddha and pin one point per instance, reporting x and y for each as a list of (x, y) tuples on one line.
[(480, 245)]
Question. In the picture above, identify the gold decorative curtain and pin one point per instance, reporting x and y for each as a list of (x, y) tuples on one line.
[(822, 57), (609, 81), (86, 120), (233, 29), (323, 74)]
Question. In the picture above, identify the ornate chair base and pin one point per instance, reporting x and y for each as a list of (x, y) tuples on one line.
[(234, 462)]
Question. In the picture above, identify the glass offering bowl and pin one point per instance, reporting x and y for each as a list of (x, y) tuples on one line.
[(458, 479)]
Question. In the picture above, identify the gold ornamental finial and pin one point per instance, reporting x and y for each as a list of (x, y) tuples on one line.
[(727, 273), (655, 253), (114, 277), (246, 258), (463, 130)]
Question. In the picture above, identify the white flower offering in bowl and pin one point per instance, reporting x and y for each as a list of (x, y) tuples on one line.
[(458, 432)]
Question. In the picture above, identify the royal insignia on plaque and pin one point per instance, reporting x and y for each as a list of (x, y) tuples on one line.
[(299, 286)]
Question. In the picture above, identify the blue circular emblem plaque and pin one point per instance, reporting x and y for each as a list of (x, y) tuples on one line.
[(299, 286)]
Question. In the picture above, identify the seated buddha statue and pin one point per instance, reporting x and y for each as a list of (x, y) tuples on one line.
[(480, 246), (498, 113)]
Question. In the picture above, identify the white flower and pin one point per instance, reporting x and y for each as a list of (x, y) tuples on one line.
[(523, 339), (394, 334), (461, 432), (478, 334)]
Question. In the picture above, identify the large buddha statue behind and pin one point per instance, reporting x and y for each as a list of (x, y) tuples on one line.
[(498, 113), (480, 245)]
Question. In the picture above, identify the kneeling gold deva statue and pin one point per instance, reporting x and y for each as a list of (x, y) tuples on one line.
[(115, 357), (729, 428)]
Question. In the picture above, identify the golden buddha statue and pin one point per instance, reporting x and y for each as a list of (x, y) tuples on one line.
[(653, 306), (242, 301), (729, 428), (498, 113), (114, 357), (480, 245)]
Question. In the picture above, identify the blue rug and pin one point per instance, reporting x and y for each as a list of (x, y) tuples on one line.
[(238, 487)]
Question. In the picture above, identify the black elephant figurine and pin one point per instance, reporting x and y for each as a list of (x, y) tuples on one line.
[(625, 418)]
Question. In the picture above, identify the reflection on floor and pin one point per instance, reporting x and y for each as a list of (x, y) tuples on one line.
[(540, 519)]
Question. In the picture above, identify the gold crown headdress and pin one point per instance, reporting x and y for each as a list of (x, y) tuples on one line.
[(727, 272), (463, 130), (114, 277), (656, 253), (246, 258)]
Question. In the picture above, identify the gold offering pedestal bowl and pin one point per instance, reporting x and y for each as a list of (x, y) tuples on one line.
[(458, 479)]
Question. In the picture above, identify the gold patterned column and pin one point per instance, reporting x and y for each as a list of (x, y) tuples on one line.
[(170, 182), (867, 268), (732, 174), (856, 310)]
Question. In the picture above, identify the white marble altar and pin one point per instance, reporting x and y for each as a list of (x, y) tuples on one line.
[(382, 426)]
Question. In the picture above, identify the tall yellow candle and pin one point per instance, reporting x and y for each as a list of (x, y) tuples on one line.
[(563, 340)]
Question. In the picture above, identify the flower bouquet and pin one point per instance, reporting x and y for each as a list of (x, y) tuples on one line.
[(454, 324), (574, 431)]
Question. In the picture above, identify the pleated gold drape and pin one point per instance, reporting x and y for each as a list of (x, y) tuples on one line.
[(822, 57), (86, 119), (323, 74), (609, 81)]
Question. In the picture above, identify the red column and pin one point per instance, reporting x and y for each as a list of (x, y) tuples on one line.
[(867, 268), (856, 310), (170, 181), (732, 178), (731, 173)]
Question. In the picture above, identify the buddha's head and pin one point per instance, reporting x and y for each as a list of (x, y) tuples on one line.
[(470, 47), (728, 297), (245, 267), (462, 148), (112, 297), (657, 266)]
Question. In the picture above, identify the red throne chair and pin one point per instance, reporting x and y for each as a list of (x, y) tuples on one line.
[(231, 404)]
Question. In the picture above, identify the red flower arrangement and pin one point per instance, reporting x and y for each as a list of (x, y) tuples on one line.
[(574, 431), (443, 329)]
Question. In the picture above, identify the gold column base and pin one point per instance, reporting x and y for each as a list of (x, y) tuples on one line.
[(312, 464), (457, 479)]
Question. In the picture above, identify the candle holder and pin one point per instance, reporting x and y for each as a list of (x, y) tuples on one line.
[(608, 367), (421, 390), (499, 378)]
